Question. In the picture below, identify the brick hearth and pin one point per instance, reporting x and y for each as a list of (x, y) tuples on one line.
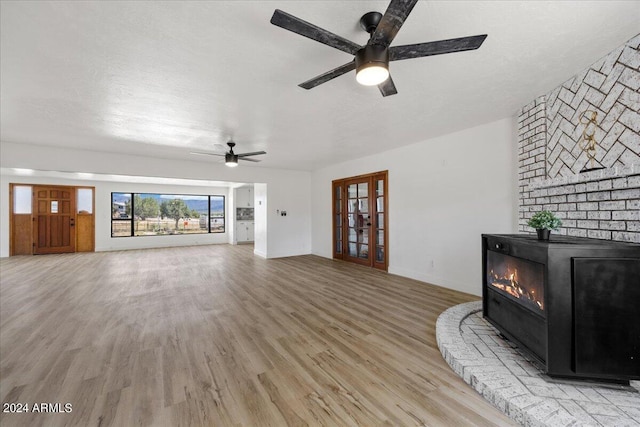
[(512, 382)]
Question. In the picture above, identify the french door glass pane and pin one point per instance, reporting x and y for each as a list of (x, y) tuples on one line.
[(338, 246), (363, 205), (352, 234), (380, 237), (352, 205), (363, 189), (363, 236), (352, 191), (380, 220), (363, 251), (352, 250), (380, 254), (380, 204), (338, 194), (352, 220), (380, 187)]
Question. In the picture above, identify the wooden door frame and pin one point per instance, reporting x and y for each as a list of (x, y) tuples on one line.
[(372, 197), (76, 215), (384, 176)]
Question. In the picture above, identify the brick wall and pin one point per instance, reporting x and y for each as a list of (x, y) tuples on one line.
[(602, 204), (610, 88), (532, 140)]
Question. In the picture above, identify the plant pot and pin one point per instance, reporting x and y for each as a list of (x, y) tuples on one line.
[(543, 233)]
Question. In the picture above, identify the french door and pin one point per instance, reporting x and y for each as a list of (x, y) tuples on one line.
[(360, 220)]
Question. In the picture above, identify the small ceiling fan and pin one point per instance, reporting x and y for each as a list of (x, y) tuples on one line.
[(371, 61), (231, 158)]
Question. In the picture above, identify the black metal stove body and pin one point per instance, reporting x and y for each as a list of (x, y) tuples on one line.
[(573, 303)]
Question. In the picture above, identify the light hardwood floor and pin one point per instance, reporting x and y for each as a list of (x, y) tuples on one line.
[(212, 335)]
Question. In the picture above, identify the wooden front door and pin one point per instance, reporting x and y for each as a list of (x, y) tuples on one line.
[(54, 220), (360, 221)]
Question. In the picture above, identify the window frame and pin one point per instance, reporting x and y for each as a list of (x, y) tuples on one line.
[(132, 217)]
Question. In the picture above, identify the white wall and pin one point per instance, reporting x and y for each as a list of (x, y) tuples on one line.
[(283, 188), (443, 194), (295, 199), (260, 212)]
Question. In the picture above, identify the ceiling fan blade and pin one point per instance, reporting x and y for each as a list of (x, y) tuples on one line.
[(248, 160), (391, 21), (419, 50), (298, 26), (387, 87), (329, 75), (202, 153), (255, 153)]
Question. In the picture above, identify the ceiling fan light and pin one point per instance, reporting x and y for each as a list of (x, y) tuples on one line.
[(372, 65), (231, 160), (372, 76)]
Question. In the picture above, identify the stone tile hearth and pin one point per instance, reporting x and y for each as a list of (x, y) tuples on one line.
[(513, 383)]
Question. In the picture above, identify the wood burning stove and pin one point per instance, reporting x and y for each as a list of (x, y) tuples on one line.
[(572, 303)]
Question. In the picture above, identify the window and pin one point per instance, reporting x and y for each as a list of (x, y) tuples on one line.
[(151, 214), (216, 214), (120, 218), (84, 201), (22, 199)]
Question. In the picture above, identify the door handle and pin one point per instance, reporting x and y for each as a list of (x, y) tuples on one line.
[(72, 222), (368, 223)]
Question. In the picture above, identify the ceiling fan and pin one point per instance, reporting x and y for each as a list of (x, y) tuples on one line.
[(371, 61), (231, 158)]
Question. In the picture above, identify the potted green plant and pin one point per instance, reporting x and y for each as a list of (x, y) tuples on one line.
[(544, 222)]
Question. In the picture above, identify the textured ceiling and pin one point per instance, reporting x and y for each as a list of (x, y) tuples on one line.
[(164, 78)]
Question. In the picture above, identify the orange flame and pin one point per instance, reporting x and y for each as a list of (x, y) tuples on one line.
[(509, 283)]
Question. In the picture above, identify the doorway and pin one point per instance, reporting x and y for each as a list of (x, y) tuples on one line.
[(360, 220), (47, 219)]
